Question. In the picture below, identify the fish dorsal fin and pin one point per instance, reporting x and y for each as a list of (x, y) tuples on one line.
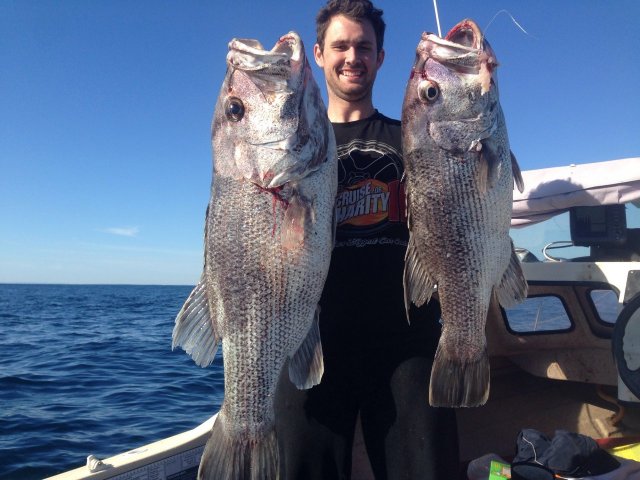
[(512, 288), (193, 330), (517, 174), (306, 365), (418, 283)]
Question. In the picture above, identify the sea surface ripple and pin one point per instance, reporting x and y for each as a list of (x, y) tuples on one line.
[(88, 369)]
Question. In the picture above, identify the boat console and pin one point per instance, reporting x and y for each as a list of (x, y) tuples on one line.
[(603, 229)]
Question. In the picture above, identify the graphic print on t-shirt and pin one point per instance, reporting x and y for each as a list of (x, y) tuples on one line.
[(370, 195)]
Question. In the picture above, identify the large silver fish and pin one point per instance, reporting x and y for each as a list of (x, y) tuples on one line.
[(268, 241), (460, 174)]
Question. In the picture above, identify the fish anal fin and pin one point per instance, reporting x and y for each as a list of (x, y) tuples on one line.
[(306, 365), (194, 328), (512, 287), (459, 382), (419, 285), (239, 457)]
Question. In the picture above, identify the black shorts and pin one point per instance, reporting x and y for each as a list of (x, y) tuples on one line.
[(384, 378)]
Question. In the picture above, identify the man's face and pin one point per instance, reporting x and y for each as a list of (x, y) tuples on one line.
[(349, 58)]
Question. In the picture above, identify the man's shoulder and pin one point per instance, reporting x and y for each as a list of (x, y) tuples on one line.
[(377, 128), (383, 118)]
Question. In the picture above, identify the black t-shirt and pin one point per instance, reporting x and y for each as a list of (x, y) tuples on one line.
[(363, 298), (370, 204)]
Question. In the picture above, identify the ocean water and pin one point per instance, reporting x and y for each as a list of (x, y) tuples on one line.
[(88, 369)]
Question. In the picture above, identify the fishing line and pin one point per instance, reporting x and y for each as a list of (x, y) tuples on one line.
[(512, 19), (435, 7)]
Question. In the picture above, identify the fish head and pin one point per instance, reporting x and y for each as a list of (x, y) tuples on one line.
[(452, 91), (270, 125)]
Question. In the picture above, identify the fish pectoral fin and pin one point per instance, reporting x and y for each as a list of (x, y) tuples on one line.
[(306, 365), (490, 165), (512, 288), (517, 173), (419, 285), (193, 329), (298, 211)]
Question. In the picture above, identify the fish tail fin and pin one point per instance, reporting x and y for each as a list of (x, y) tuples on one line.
[(512, 288), (459, 382), (233, 458)]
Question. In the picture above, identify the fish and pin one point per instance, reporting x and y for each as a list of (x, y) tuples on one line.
[(269, 233), (460, 174)]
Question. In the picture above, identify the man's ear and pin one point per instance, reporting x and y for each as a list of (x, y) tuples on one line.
[(380, 57), (317, 55)]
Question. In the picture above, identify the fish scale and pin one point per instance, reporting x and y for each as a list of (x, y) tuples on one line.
[(459, 179), (268, 311)]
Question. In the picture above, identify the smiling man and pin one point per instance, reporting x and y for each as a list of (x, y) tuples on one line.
[(377, 366), (350, 55)]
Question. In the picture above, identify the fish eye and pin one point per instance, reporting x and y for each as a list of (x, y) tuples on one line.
[(234, 109), (428, 91)]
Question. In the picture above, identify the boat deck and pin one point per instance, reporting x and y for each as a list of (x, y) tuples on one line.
[(520, 400)]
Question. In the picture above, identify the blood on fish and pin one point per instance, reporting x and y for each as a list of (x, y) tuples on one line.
[(275, 199)]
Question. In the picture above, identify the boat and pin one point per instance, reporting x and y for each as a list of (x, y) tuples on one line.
[(568, 358)]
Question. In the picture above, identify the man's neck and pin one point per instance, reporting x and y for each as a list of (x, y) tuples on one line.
[(341, 111)]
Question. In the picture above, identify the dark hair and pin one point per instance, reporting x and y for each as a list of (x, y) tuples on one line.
[(356, 10)]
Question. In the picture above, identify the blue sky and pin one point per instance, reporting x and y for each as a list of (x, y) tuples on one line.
[(105, 108)]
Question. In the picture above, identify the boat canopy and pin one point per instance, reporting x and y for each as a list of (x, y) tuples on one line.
[(552, 191)]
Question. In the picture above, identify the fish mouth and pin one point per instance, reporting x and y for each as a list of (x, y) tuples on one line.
[(464, 49), (466, 33), (249, 55), (276, 70), (285, 145)]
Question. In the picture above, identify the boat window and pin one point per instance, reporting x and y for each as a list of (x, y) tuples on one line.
[(537, 315), (605, 303)]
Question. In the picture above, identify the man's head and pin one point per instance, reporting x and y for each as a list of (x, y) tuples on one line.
[(356, 10), (349, 51)]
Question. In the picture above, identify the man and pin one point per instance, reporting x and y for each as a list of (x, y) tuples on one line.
[(377, 365)]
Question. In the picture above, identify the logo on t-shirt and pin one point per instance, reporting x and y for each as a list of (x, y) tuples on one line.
[(370, 202), (370, 194)]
